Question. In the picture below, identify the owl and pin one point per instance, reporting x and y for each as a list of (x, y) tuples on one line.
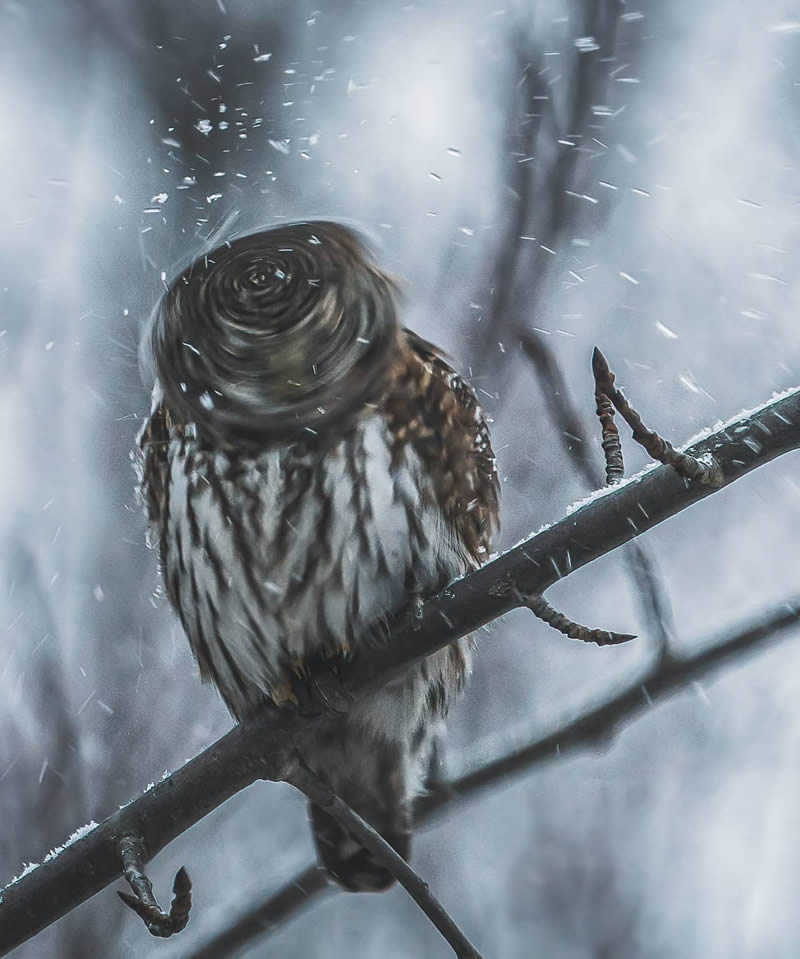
[(308, 467)]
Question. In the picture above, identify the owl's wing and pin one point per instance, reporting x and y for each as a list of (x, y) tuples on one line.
[(153, 466), (483, 511)]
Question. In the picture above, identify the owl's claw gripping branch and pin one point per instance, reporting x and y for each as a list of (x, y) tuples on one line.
[(540, 608), (144, 902), (705, 471), (316, 688)]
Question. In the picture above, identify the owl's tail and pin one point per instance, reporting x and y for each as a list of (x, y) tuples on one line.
[(376, 777), (348, 863)]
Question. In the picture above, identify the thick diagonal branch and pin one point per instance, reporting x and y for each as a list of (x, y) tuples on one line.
[(262, 747)]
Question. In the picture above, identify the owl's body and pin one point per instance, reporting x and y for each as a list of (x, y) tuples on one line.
[(278, 554)]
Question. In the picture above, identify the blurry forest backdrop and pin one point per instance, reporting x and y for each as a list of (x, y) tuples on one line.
[(543, 175)]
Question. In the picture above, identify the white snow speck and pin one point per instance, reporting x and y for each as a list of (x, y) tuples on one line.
[(666, 331), (586, 44), (787, 26)]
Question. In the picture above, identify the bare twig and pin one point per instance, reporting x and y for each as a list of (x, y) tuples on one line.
[(540, 608), (690, 467), (587, 726), (262, 746), (612, 448), (546, 194), (575, 440), (144, 902), (302, 778), (653, 597)]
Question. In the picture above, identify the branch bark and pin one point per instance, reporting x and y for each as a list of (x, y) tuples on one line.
[(263, 746)]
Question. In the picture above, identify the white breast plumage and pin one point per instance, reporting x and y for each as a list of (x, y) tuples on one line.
[(271, 565)]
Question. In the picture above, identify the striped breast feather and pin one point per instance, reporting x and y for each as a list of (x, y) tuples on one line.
[(272, 559)]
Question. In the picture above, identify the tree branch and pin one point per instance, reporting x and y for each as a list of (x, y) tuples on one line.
[(263, 746), (596, 726), (320, 793), (575, 440), (590, 725)]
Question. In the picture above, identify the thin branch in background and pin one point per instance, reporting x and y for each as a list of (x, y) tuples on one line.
[(264, 917), (262, 746), (595, 725), (567, 420), (522, 137), (662, 450), (546, 195), (143, 902), (591, 725), (320, 793)]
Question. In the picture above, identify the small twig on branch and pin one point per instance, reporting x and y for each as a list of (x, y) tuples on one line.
[(690, 467), (612, 448), (261, 746), (144, 902), (586, 727), (302, 778), (575, 440), (540, 608)]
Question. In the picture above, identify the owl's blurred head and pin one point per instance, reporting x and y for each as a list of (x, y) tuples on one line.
[(278, 335)]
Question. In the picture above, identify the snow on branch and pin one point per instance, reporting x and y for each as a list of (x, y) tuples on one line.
[(263, 747)]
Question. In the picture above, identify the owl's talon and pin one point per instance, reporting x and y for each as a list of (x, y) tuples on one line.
[(331, 694), (299, 668), (283, 694), (144, 902)]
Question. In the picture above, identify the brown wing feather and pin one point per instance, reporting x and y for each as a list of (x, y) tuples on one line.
[(461, 445)]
